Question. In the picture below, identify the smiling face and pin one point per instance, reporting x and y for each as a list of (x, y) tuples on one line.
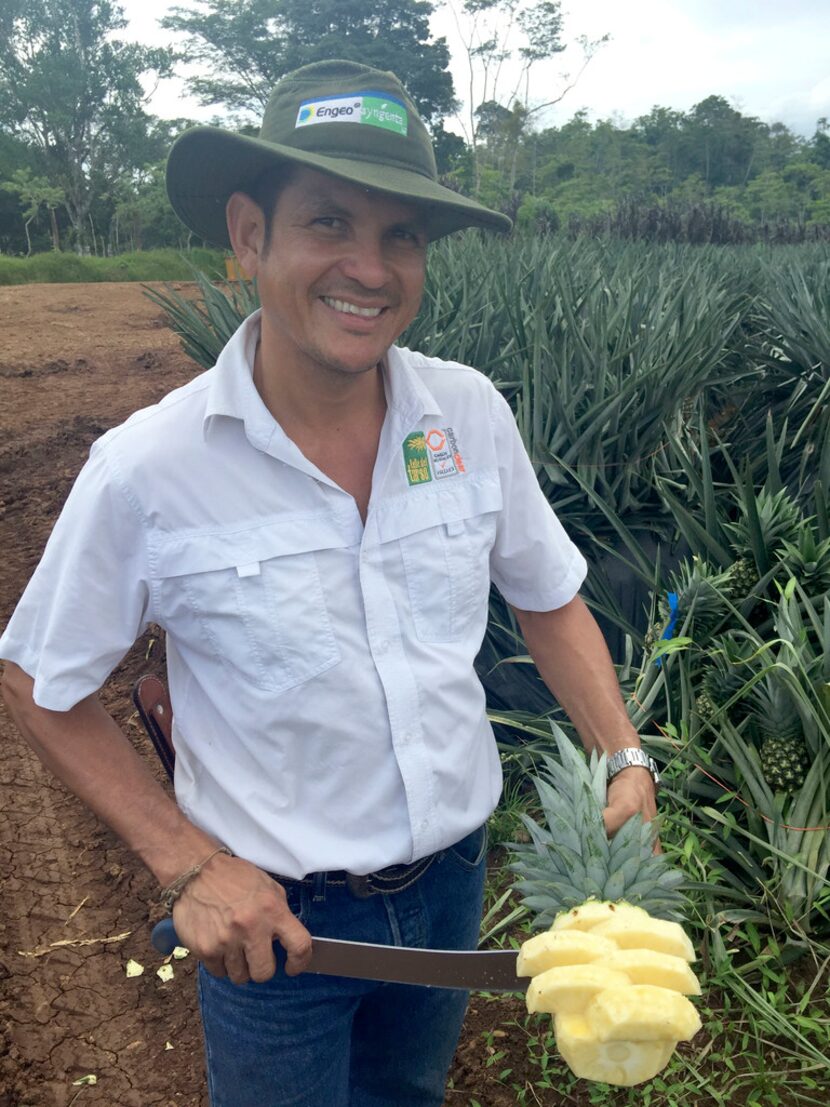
[(341, 276)]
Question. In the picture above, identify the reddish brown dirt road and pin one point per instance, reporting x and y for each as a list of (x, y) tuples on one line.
[(74, 361)]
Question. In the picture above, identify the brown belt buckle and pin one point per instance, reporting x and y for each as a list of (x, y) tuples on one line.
[(359, 886)]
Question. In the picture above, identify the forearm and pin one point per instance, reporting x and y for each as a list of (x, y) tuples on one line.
[(573, 661), (89, 753)]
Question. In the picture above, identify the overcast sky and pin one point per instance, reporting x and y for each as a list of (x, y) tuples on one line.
[(769, 59)]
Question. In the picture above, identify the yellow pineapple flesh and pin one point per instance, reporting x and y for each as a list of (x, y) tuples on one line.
[(646, 966), (641, 1013), (551, 948), (656, 934), (592, 912), (567, 989), (624, 1063)]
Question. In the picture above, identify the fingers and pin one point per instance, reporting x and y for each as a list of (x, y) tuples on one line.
[(229, 916), (630, 792), (296, 941), (236, 966)]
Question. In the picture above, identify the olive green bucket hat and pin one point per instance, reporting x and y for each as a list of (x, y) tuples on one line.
[(339, 117)]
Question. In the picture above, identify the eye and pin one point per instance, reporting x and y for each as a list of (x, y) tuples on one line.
[(331, 222), (408, 235)]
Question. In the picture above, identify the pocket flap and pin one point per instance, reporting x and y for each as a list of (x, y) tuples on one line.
[(425, 506), (243, 547)]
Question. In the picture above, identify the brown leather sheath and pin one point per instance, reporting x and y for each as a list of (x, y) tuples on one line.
[(153, 705)]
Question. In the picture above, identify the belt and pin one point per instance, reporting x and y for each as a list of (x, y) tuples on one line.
[(387, 881)]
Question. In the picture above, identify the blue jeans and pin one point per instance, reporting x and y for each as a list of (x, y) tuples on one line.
[(327, 1041)]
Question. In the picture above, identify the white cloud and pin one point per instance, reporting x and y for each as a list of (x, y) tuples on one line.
[(769, 59)]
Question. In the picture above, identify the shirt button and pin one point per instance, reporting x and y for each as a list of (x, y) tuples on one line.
[(382, 646)]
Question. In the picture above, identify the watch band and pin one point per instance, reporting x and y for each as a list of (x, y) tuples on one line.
[(629, 757)]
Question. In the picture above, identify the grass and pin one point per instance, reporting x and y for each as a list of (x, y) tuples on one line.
[(146, 265)]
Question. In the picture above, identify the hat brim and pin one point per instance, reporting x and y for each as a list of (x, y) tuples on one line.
[(206, 165)]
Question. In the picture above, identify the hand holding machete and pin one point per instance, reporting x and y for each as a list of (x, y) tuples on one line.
[(229, 916)]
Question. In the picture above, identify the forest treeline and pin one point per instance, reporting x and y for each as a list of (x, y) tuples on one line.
[(82, 160)]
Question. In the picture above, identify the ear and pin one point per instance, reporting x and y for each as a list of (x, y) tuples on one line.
[(246, 228)]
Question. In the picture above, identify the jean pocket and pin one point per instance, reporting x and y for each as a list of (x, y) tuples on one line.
[(470, 852)]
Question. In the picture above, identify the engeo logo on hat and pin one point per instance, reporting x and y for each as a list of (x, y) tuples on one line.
[(361, 107)]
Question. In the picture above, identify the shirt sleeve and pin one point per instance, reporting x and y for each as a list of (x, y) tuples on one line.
[(533, 563), (89, 598)]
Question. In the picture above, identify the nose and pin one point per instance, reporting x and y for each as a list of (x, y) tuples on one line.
[(365, 262)]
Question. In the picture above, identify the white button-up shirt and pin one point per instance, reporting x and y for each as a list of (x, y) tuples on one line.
[(326, 710)]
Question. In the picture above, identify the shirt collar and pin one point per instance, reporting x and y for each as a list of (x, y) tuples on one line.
[(406, 393), (233, 393), (232, 390)]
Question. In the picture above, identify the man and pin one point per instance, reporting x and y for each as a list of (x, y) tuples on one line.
[(315, 522)]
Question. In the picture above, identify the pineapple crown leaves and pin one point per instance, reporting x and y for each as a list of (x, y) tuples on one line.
[(766, 520), (808, 560), (569, 859), (703, 594)]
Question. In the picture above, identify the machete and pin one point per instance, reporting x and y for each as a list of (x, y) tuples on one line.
[(471, 970)]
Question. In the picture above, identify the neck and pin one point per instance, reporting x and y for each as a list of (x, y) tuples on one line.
[(316, 397)]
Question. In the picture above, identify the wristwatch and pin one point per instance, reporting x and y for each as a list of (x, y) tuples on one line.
[(628, 757)]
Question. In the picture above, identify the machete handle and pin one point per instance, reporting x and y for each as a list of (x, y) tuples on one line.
[(164, 936)]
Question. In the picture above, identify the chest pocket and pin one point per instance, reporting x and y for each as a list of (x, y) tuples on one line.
[(445, 536), (254, 598)]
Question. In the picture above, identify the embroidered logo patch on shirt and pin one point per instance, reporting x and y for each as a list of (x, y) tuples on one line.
[(415, 458), (432, 454), (444, 456), (359, 107)]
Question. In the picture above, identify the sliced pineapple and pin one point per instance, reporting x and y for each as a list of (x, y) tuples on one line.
[(641, 1013), (648, 933), (593, 912), (566, 947), (566, 989), (623, 1063), (647, 966)]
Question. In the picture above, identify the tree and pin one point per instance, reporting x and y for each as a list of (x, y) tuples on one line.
[(721, 144), (249, 44), (489, 30), (820, 152), (34, 193), (74, 92)]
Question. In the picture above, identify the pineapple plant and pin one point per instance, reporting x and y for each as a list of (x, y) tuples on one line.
[(704, 704), (614, 966), (722, 687), (702, 593), (743, 576), (808, 560), (654, 634), (784, 763), (776, 725), (778, 517)]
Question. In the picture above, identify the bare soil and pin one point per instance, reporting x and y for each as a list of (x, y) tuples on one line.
[(74, 361)]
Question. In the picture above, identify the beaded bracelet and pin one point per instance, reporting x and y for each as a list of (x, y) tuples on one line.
[(172, 892)]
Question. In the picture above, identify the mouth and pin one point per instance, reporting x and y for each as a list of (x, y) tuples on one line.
[(348, 308)]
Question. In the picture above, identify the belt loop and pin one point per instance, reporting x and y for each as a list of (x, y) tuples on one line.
[(319, 888)]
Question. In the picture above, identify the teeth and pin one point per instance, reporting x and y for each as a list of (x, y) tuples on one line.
[(352, 309)]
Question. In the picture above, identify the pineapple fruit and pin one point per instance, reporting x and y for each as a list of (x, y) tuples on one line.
[(618, 1017), (778, 730), (614, 975)]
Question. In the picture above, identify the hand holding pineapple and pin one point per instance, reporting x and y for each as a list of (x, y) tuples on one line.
[(614, 977)]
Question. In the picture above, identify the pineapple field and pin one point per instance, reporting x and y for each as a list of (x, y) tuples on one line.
[(675, 403)]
